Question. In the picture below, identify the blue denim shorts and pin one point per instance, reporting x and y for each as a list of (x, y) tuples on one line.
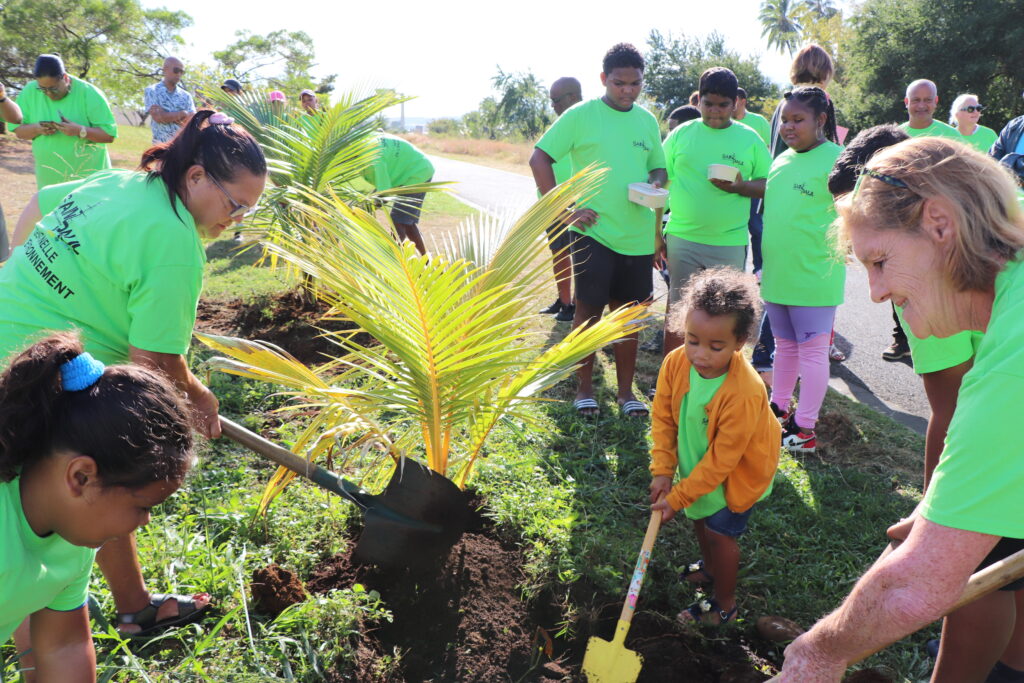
[(728, 523)]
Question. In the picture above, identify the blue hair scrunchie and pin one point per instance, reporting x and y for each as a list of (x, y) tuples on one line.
[(81, 372)]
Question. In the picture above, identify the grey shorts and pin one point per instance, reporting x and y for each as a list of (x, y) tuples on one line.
[(686, 258)]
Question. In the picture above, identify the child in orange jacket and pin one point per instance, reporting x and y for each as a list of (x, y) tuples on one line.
[(713, 423)]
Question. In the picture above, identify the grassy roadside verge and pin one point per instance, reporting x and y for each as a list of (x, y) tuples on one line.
[(506, 156)]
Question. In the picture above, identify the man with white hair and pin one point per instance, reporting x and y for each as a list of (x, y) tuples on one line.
[(921, 100), (169, 105)]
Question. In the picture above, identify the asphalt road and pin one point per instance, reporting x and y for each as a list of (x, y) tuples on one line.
[(863, 328)]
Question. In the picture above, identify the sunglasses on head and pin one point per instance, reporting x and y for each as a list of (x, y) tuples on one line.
[(884, 177), (972, 108)]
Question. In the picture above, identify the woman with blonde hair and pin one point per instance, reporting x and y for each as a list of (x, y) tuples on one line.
[(963, 115), (939, 229)]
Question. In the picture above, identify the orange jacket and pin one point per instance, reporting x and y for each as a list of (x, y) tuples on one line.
[(744, 436)]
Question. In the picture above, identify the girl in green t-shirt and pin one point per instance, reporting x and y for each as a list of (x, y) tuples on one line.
[(803, 278), (85, 452)]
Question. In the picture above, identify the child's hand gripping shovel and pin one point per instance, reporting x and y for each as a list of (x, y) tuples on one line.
[(606, 662)]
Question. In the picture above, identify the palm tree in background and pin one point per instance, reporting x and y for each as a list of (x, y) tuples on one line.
[(780, 25), (819, 9)]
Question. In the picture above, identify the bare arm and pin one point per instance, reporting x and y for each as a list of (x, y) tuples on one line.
[(9, 110), (658, 177), (62, 645), (543, 170), (160, 115), (93, 134), (27, 221), (901, 593), (204, 403), (30, 131)]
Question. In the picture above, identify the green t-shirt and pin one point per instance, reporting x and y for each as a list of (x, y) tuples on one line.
[(977, 483), (802, 267), (61, 157), (759, 124), (700, 212), (36, 572), (932, 354), (938, 129), (628, 144), (398, 164), (563, 170), (112, 260), (981, 139), (693, 439)]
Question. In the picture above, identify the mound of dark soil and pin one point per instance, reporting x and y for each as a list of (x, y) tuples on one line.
[(465, 621), (274, 588), (289, 320), (836, 431)]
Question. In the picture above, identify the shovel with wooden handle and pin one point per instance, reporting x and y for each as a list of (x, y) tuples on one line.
[(611, 662), (420, 514)]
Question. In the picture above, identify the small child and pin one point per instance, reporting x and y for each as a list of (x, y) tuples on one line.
[(85, 453), (712, 422)]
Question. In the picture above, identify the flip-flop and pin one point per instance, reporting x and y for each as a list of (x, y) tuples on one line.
[(586, 404), (634, 409), (146, 619)]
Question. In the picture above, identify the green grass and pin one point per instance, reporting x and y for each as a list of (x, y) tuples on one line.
[(571, 491), (126, 150)]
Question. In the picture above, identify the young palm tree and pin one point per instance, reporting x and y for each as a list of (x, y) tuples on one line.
[(780, 25), (819, 9), (451, 357)]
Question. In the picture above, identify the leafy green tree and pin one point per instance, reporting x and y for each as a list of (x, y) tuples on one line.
[(522, 109), (291, 52), (114, 44), (780, 24), (445, 127), (818, 9), (674, 66), (894, 42)]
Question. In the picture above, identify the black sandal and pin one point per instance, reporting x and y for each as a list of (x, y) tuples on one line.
[(146, 620), (700, 610), (694, 568)]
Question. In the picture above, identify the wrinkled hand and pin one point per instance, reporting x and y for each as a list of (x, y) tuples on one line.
[(69, 128), (803, 664), (725, 185), (205, 415), (582, 218)]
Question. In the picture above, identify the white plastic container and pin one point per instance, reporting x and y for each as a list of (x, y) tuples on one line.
[(723, 172), (647, 195)]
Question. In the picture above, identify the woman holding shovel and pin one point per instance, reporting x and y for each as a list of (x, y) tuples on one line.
[(119, 256), (940, 232)]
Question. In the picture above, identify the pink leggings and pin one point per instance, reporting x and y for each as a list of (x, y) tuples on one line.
[(801, 350)]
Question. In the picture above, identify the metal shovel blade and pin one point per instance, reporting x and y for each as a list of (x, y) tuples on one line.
[(436, 507), (611, 662), (419, 516)]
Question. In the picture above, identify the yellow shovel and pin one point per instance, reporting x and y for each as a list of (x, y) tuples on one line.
[(606, 662)]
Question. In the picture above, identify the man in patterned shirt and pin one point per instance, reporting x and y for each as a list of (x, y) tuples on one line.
[(169, 105)]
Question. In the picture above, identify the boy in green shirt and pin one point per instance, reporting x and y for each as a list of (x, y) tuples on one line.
[(68, 121), (613, 248), (708, 219), (921, 99), (399, 163)]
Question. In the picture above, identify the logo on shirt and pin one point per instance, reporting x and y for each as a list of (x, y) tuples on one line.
[(802, 189), (732, 158), (642, 145)]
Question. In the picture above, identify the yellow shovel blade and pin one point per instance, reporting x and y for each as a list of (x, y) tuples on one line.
[(611, 662)]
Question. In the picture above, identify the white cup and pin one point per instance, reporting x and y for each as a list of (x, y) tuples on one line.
[(723, 172)]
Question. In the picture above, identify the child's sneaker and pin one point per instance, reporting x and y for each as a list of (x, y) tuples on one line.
[(797, 439), (780, 414)]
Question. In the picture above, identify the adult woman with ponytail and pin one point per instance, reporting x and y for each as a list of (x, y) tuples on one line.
[(85, 452), (119, 257)]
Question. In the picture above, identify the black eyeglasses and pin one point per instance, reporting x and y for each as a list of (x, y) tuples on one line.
[(238, 210), (970, 109), (53, 88), (178, 70)]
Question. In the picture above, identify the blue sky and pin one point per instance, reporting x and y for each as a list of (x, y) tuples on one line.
[(446, 52)]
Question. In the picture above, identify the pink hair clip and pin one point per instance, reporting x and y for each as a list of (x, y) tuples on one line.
[(221, 119)]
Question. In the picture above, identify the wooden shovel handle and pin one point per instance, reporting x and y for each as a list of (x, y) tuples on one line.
[(991, 578), (642, 560)]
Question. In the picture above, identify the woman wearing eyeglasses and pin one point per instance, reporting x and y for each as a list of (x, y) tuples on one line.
[(119, 256), (964, 115), (941, 234), (69, 122)]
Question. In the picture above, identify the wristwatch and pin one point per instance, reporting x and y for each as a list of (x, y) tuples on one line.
[(82, 132)]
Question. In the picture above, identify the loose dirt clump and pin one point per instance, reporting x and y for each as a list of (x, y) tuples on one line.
[(275, 588), (289, 320), (460, 621), (836, 431)]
